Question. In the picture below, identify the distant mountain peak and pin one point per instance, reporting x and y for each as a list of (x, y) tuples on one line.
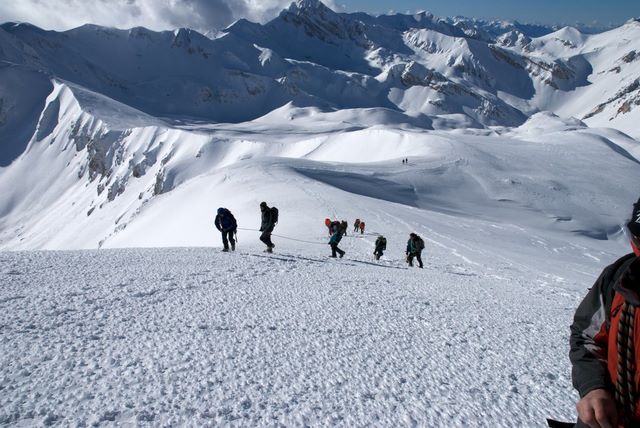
[(632, 21), (181, 37), (306, 5), (425, 15)]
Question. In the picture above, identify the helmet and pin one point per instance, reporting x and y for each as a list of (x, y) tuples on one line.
[(220, 210), (263, 204)]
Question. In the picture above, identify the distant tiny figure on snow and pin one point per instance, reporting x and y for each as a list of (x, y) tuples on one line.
[(335, 240), (415, 245), (356, 225), (226, 223), (269, 220), (381, 246), (361, 227)]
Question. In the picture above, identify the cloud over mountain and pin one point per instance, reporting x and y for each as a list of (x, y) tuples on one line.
[(202, 15)]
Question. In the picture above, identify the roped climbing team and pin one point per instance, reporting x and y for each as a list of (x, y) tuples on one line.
[(226, 223)]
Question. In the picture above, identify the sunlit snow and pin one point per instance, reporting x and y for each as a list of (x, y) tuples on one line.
[(522, 167)]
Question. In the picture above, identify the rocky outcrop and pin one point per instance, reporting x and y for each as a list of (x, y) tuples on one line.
[(627, 98), (320, 22)]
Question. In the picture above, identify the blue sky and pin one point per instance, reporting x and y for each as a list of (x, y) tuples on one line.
[(604, 12)]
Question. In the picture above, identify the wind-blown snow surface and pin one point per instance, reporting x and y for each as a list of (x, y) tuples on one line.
[(199, 337)]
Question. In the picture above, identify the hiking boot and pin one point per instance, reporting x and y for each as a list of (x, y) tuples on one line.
[(421, 267), (342, 254), (268, 250), (410, 264), (332, 256), (225, 250), (233, 247)]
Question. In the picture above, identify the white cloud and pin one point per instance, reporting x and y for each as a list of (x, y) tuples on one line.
[(202, 15)]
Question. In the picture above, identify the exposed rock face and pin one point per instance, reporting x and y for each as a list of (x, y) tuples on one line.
[(627, 98), (630, 57), (415, 74), (512, 39)]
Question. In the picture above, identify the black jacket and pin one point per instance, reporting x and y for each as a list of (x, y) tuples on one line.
[(267, 224), (226, 221)]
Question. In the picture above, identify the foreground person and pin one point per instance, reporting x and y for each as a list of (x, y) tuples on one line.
[(605, 343)]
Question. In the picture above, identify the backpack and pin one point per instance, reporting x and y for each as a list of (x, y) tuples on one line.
[(226, 220), (420, 243), (381, 242), (230, 220), (274, 215)]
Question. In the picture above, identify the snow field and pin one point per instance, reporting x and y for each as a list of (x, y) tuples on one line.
[(192, 336), (195, 336)]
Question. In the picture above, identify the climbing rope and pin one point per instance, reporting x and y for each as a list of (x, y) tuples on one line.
[(625, 386), (370, 233), (285, 237)]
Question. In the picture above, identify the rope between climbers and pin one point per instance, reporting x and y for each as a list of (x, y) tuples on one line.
[(284, 237)]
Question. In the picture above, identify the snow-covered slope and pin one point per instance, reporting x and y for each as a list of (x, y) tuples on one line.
[(114, 172), (495, 73), (129, 122), (595, 75), (152, 337), (516, 227), (522, 166), (111, 138)]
